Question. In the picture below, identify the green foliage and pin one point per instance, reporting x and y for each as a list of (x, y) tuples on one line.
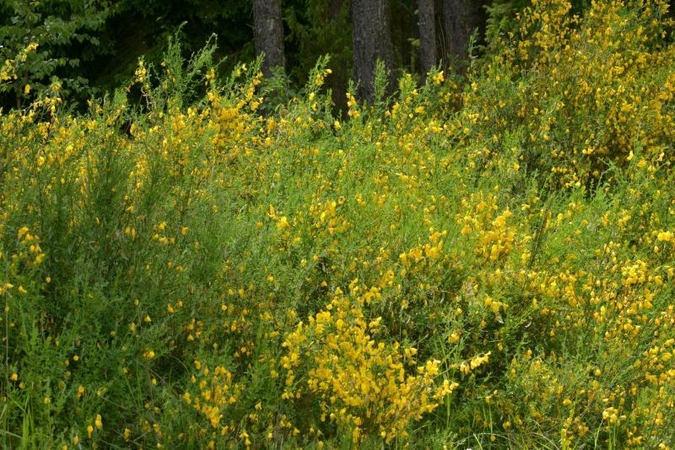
[(179, 79), (199, 269), (46, 41), (563, 75), (503, 18), (318, 28)]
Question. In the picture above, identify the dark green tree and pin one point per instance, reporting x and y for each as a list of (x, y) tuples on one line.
[(317, 28), (44, 42), (144, 27)]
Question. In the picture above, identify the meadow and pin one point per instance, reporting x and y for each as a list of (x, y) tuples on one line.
[(485, 261)]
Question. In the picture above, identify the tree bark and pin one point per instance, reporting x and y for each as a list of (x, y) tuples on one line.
[(427, 30), (268, 34), (372, 41), (334, 8), (460, 20)]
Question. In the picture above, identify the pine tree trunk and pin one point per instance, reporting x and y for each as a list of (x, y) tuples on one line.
[(460, 20), (268, 34), (427, 29), (372, 42), (334, 8)]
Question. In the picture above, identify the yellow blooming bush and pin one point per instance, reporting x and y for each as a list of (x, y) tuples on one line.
[(477, 262), (363, 385), (584, 93)]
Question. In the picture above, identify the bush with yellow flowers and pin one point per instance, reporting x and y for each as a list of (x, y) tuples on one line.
[(578, 94), (363, 386), (482, 261)]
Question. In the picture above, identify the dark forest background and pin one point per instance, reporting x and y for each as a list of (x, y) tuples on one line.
[(92, 46)]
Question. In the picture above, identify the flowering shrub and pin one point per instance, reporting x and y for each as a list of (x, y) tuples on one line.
[(362, 385), (486, 262), (580, 94)]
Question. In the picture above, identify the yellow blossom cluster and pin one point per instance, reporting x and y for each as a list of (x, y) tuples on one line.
[(563, 69), (362, 384)]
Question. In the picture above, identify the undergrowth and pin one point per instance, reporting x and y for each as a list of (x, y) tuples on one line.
[(481, 262)]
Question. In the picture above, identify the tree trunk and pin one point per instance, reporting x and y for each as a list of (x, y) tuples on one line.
[(334, 8), (372, 42), (460, 20), (268, 34), (427, 29)]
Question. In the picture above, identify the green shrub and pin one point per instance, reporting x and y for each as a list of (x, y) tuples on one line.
[(186, 271)]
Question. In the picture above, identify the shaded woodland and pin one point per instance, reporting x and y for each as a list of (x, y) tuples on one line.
[(92, 47)]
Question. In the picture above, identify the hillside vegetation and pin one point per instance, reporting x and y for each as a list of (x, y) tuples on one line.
[(485, 261)]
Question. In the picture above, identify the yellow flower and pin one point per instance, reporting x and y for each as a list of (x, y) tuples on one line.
[(665, 236), (22, 232), (283, 223)]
